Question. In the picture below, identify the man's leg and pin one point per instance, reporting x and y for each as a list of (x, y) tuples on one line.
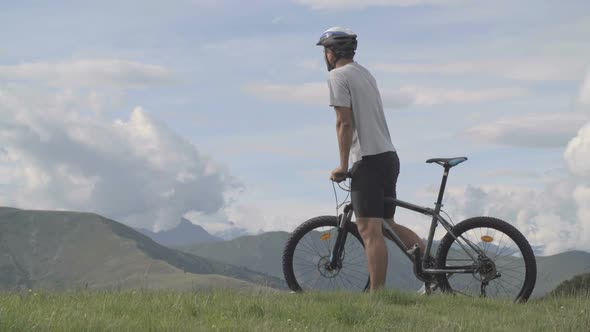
[(408, 237), (375, 249)]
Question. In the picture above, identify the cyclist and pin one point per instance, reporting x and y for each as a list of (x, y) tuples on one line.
[(365, 142)]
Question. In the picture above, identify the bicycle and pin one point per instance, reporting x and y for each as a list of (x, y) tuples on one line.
[(472, 258)]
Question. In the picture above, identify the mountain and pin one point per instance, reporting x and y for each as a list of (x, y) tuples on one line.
[(264, 253), (230, 233), (553, 270), (184, 233), (72, 250), (260, 252)]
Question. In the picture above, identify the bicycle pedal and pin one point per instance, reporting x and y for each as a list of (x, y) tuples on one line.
[(414, 253)]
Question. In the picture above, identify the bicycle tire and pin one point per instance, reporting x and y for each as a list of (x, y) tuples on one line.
[(304, 229), (530, 265)]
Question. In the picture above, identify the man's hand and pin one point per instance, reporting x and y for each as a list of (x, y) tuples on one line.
[(339, 174)]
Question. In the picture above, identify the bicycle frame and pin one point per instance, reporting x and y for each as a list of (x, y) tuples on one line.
[(346, 217)]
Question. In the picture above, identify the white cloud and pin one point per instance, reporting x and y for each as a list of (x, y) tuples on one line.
[(530, 130), (582, 197), (531, 69), (355, 4), (317, 93), (577, 153), (252, 213), (57, 155), (89, 72), (547, 217), (555, 217)]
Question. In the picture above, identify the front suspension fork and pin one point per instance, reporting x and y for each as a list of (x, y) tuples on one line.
[(338, 250)]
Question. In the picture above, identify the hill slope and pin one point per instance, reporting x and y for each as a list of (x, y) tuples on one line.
[(577, 286), (264, 253), (553, 270), (64, 250)]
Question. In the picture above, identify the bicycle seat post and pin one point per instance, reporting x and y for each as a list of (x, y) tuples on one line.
[(438, 205)]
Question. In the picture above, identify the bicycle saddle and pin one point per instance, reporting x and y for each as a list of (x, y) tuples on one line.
[(447, 162)]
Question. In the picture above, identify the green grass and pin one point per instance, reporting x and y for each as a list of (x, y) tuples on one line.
[(263, 311)]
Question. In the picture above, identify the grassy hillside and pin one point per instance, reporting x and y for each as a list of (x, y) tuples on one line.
[(577, 285), (65, 250), (251, 311)]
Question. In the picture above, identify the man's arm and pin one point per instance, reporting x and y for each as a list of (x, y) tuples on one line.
[(344, 121)]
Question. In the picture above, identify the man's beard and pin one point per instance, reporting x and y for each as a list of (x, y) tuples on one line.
[(328, 64)]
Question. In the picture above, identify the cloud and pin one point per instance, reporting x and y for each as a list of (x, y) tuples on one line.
[(354, 4), (537, 130), (577, 153), (252, 212), (555, 217), (547, 217), (317, 93), (89, 72), (57, 155), (529, 69), (582, 197)]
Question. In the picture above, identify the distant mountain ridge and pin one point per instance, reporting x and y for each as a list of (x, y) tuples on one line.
[(69, 250), (184, 233), (263, 253)]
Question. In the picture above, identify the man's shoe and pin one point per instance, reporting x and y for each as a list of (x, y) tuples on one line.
[(422, 290)]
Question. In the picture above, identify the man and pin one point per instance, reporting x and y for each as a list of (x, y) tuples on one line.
[(363, 138)]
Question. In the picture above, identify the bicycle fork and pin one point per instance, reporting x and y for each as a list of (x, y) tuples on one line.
[(338, 250)]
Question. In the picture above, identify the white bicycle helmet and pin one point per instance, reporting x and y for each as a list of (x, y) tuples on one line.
[(342, 42)]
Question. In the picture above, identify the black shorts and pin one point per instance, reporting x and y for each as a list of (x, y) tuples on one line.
[(374, 177)]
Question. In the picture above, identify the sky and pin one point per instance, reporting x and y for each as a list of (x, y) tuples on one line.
[(148, 111)]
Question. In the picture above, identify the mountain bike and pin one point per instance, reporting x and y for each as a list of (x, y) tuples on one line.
[(480, 256)]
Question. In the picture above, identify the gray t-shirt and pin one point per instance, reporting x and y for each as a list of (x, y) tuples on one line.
[(352, 85)]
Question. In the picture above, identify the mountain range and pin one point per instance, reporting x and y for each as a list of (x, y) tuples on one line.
[(264, 253), (72, 250)]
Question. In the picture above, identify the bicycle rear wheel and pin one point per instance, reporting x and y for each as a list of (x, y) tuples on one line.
[(307, 256), (506, 264)]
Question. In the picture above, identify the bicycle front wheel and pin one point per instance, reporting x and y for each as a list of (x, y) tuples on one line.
[(506, 265), (308, 252)]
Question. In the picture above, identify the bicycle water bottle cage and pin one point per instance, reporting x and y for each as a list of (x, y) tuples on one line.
[(447, 162)]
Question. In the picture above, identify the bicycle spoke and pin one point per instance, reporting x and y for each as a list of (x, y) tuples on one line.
[(310, 260), (355, 277), (501, 253)]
